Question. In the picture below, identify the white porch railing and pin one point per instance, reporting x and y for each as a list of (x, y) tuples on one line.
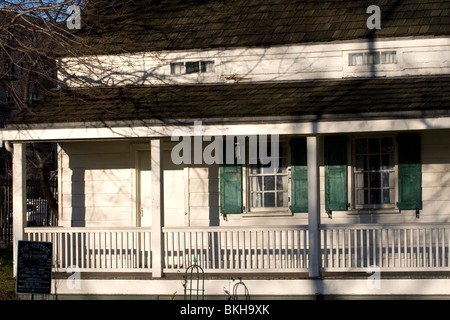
[(389, 247), (241, 249), (88, 249), (420, 247)]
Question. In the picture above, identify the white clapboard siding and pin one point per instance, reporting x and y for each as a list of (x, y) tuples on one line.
[(436, 175), (278, 63), (96, 184)]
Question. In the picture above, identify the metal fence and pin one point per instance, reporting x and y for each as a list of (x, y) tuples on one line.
[(38, 211)]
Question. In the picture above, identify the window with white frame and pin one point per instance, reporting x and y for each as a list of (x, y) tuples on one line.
[(374, 172), (372, 58), (268, 186), (190, 67)]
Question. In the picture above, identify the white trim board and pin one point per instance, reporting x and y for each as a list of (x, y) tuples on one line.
[(168, 130), (265, 287)]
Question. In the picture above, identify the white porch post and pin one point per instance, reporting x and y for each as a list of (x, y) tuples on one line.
[(313, 206), (157, 207), (19, 196)]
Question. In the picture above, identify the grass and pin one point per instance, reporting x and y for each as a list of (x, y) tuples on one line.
[(7, 281)]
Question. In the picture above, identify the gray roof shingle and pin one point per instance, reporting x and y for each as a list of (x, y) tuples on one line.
[(187, 24), (288, 99)]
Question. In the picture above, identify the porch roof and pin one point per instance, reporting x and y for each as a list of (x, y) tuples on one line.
[(313, 100)]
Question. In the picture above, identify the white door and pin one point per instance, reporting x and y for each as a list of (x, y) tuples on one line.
[(174, 192), (145, 190)]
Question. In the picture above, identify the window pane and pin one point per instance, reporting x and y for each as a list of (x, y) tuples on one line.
[(375, 196), (256, 183), (269, 199), (388, 196), (387, 145), (387, 161), (389, 57), (375, 180), (282, 199), (192, 67), (256, 200), (387, 179), (281, 183), (361, 180), (374, 145), (373, 58), (361, 196), (374, 162), (269, 183), (207, 66), (361, 162), (176, 68), (355, 59)]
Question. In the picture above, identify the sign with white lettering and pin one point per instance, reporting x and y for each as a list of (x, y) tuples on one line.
[(34, 267)]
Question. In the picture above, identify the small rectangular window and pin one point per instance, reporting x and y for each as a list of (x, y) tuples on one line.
[(192, 67), (372, 58), (389, 57), (177, 68), (207, 66)]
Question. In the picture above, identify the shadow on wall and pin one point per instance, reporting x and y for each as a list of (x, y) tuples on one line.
[(99, 180)]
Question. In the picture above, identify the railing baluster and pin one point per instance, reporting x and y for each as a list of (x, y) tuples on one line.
[(280, 249)]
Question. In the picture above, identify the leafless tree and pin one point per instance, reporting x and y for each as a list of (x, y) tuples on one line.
[(33, 33), (37, 44)]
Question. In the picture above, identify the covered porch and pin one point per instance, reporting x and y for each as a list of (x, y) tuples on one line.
[(343, 248), (322, 243), (332, 213)]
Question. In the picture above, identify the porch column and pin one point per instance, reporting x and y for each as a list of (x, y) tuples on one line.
[(313, 205), (19, 196), (157, 207)]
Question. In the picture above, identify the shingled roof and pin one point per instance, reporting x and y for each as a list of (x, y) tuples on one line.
[(290, 99), (143, 25)]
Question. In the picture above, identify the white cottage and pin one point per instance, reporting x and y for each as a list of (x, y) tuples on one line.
[(281, 142)]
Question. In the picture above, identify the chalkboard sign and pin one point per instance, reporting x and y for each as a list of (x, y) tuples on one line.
[(34, 267)]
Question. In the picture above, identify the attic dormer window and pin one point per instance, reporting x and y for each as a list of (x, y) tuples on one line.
[(372, 58), (178, 68)]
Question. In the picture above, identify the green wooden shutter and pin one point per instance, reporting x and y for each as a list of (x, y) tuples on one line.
[(409, 172), (230, 185), (336, 173), (299, 175), (231, 189)]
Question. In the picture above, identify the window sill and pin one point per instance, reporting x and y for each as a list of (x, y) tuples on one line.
[(268, 213), (373, 211)]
